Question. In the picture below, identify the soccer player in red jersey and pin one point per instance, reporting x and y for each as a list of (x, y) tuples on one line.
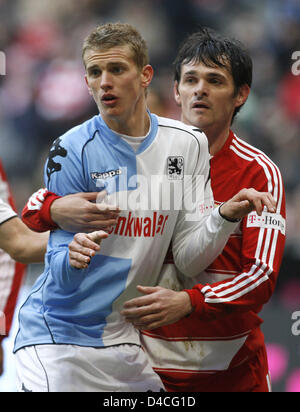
[(220, 346)]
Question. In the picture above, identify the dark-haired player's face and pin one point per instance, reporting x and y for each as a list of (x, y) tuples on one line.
[(207, 96)]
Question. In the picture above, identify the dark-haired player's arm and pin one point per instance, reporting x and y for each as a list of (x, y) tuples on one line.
[(74, 213)]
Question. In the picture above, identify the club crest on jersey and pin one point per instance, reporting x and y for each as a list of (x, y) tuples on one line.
[(175, 167)]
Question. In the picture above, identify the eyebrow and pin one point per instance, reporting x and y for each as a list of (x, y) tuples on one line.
[(215, 74), (190, 73), (211, 74), (94, 66), (110, 64)]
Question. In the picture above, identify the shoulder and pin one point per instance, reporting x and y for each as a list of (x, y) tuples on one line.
[(259, 170), (182, 130), (252, 156), (75, 139)]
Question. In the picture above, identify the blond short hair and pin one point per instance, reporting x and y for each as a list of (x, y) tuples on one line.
[(111, 35)]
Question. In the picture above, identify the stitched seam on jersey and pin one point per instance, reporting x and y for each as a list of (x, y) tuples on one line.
[(186, 131), (46, 323), (83, 149), (44, 369)]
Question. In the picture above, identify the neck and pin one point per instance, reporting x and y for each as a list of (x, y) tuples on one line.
[(216, 136), (216, 140), (135, 124)]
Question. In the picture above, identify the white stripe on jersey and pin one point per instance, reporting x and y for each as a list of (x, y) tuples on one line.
[(193, 355), (266, 245)]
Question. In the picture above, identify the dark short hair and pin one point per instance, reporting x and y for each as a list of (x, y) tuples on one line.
[(213, 50)]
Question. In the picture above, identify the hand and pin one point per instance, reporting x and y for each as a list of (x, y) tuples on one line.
[(246, 201), (159, 307), (83, 247), (77, 213)]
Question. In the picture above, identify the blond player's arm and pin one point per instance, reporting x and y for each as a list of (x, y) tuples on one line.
[(21, 243)]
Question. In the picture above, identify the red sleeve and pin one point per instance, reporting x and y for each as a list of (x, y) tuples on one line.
[(36, 213), (262, 248)]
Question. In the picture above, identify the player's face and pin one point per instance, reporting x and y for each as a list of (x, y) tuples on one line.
[(116, 83), (207, 97)]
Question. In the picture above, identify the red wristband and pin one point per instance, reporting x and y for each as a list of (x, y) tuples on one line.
[(45, 210)]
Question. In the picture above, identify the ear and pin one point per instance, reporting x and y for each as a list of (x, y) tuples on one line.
[(176, 93), (87, 82), (242, 95), (147, 75)]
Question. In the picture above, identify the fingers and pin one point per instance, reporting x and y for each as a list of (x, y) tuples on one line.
[(246, 201), (135, 304), (82, 242), (261, 200), (147, 289), (97, 236), (148, 322), (91, 196), (270, 203), (83, 247), (78, 260), (143, 300), (145, 317), (104, 213)]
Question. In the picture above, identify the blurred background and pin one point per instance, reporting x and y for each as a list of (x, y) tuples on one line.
[(43, 94)]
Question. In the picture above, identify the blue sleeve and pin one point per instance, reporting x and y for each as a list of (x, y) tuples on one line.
[(64, 167), (64, 174), (65, 276)]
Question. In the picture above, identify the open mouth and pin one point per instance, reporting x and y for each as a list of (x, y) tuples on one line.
[(200, 105), (109, 99)]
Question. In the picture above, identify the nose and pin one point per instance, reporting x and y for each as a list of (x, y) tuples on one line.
[(106, 81), (201, 89)]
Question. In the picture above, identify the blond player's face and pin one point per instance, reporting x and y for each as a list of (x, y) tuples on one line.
[(116, 83), (207, 96)]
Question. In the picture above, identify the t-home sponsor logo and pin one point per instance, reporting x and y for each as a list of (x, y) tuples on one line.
[(2, 63), (296, 64)]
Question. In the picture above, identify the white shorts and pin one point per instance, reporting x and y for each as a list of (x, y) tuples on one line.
[(71, 368)]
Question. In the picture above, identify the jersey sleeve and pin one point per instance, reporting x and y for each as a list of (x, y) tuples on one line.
[(200, 233), (263, 240), (64, 174), (36, 213), (6, 212)]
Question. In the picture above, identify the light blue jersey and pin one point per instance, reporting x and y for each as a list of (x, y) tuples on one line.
[(82, 307)]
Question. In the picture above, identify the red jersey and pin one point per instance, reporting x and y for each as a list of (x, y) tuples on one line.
[(223, 331), (11, 272)]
